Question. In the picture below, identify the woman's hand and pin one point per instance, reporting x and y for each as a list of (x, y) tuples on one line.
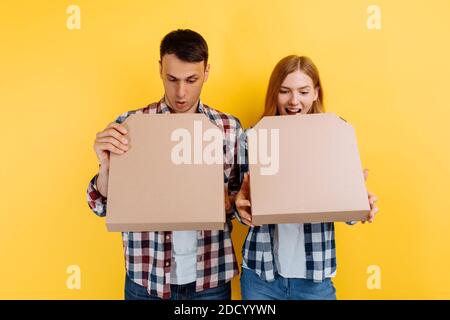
[(372, 199), (228, 202), (242, 201)]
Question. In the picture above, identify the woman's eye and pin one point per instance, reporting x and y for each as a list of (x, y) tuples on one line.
[(191, 81), (283, 92), (304, 92)]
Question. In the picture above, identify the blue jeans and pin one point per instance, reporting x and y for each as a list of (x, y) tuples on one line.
[(134, 291), (253, 288)]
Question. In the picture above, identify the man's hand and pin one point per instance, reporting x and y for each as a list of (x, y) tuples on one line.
[(372, 199), (242, 201), (109, 140)]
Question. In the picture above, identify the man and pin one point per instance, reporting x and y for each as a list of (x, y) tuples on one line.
[(176, 264)]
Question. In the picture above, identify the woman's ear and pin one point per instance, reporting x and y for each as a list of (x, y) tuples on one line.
[(316, 93)]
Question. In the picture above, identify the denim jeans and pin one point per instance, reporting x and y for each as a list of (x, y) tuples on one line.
[(134, 291), (253, 288)]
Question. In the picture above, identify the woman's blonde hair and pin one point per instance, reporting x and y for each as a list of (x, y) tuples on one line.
[(284, 67)]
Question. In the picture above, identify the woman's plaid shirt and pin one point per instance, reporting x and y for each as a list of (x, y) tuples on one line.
[(258, 254), (148, 255)]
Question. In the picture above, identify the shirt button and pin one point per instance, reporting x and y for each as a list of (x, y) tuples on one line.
[(167, 263), (200, 259), (168, 237)]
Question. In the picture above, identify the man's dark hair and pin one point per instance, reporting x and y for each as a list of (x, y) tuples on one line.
[(187, 45)]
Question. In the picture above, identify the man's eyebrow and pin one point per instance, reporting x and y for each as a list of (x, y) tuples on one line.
[(190, 77)]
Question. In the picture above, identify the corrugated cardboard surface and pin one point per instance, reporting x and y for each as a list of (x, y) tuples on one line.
[(148, 192), (320, 177)]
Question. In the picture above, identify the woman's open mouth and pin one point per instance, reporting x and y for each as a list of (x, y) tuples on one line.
[(292, 111)]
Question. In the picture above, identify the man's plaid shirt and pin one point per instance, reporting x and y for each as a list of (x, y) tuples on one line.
[(148, 255)]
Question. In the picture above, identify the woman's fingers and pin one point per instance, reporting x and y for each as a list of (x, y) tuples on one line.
[(243, 208), (372, 214), (366, 173), (244, 214), (248, 222), (372, 198), (243, 203), (374, 211), (245, 187)]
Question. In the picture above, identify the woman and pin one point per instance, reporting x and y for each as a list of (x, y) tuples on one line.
[(289, 261)]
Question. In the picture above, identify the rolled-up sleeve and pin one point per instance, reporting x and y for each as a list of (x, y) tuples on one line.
[(96, 201)]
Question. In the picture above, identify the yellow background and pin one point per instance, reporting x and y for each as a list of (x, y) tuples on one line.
[(60, 86)]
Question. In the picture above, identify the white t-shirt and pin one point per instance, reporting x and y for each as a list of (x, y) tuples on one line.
[(184, 257), (289, 250)]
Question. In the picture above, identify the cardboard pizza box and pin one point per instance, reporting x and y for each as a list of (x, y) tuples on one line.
[(166, 181), (310, 171)]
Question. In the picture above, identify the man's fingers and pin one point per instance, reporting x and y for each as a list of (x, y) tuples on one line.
[(113, 133), (109, 147), (113, 141), (119, 127)]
